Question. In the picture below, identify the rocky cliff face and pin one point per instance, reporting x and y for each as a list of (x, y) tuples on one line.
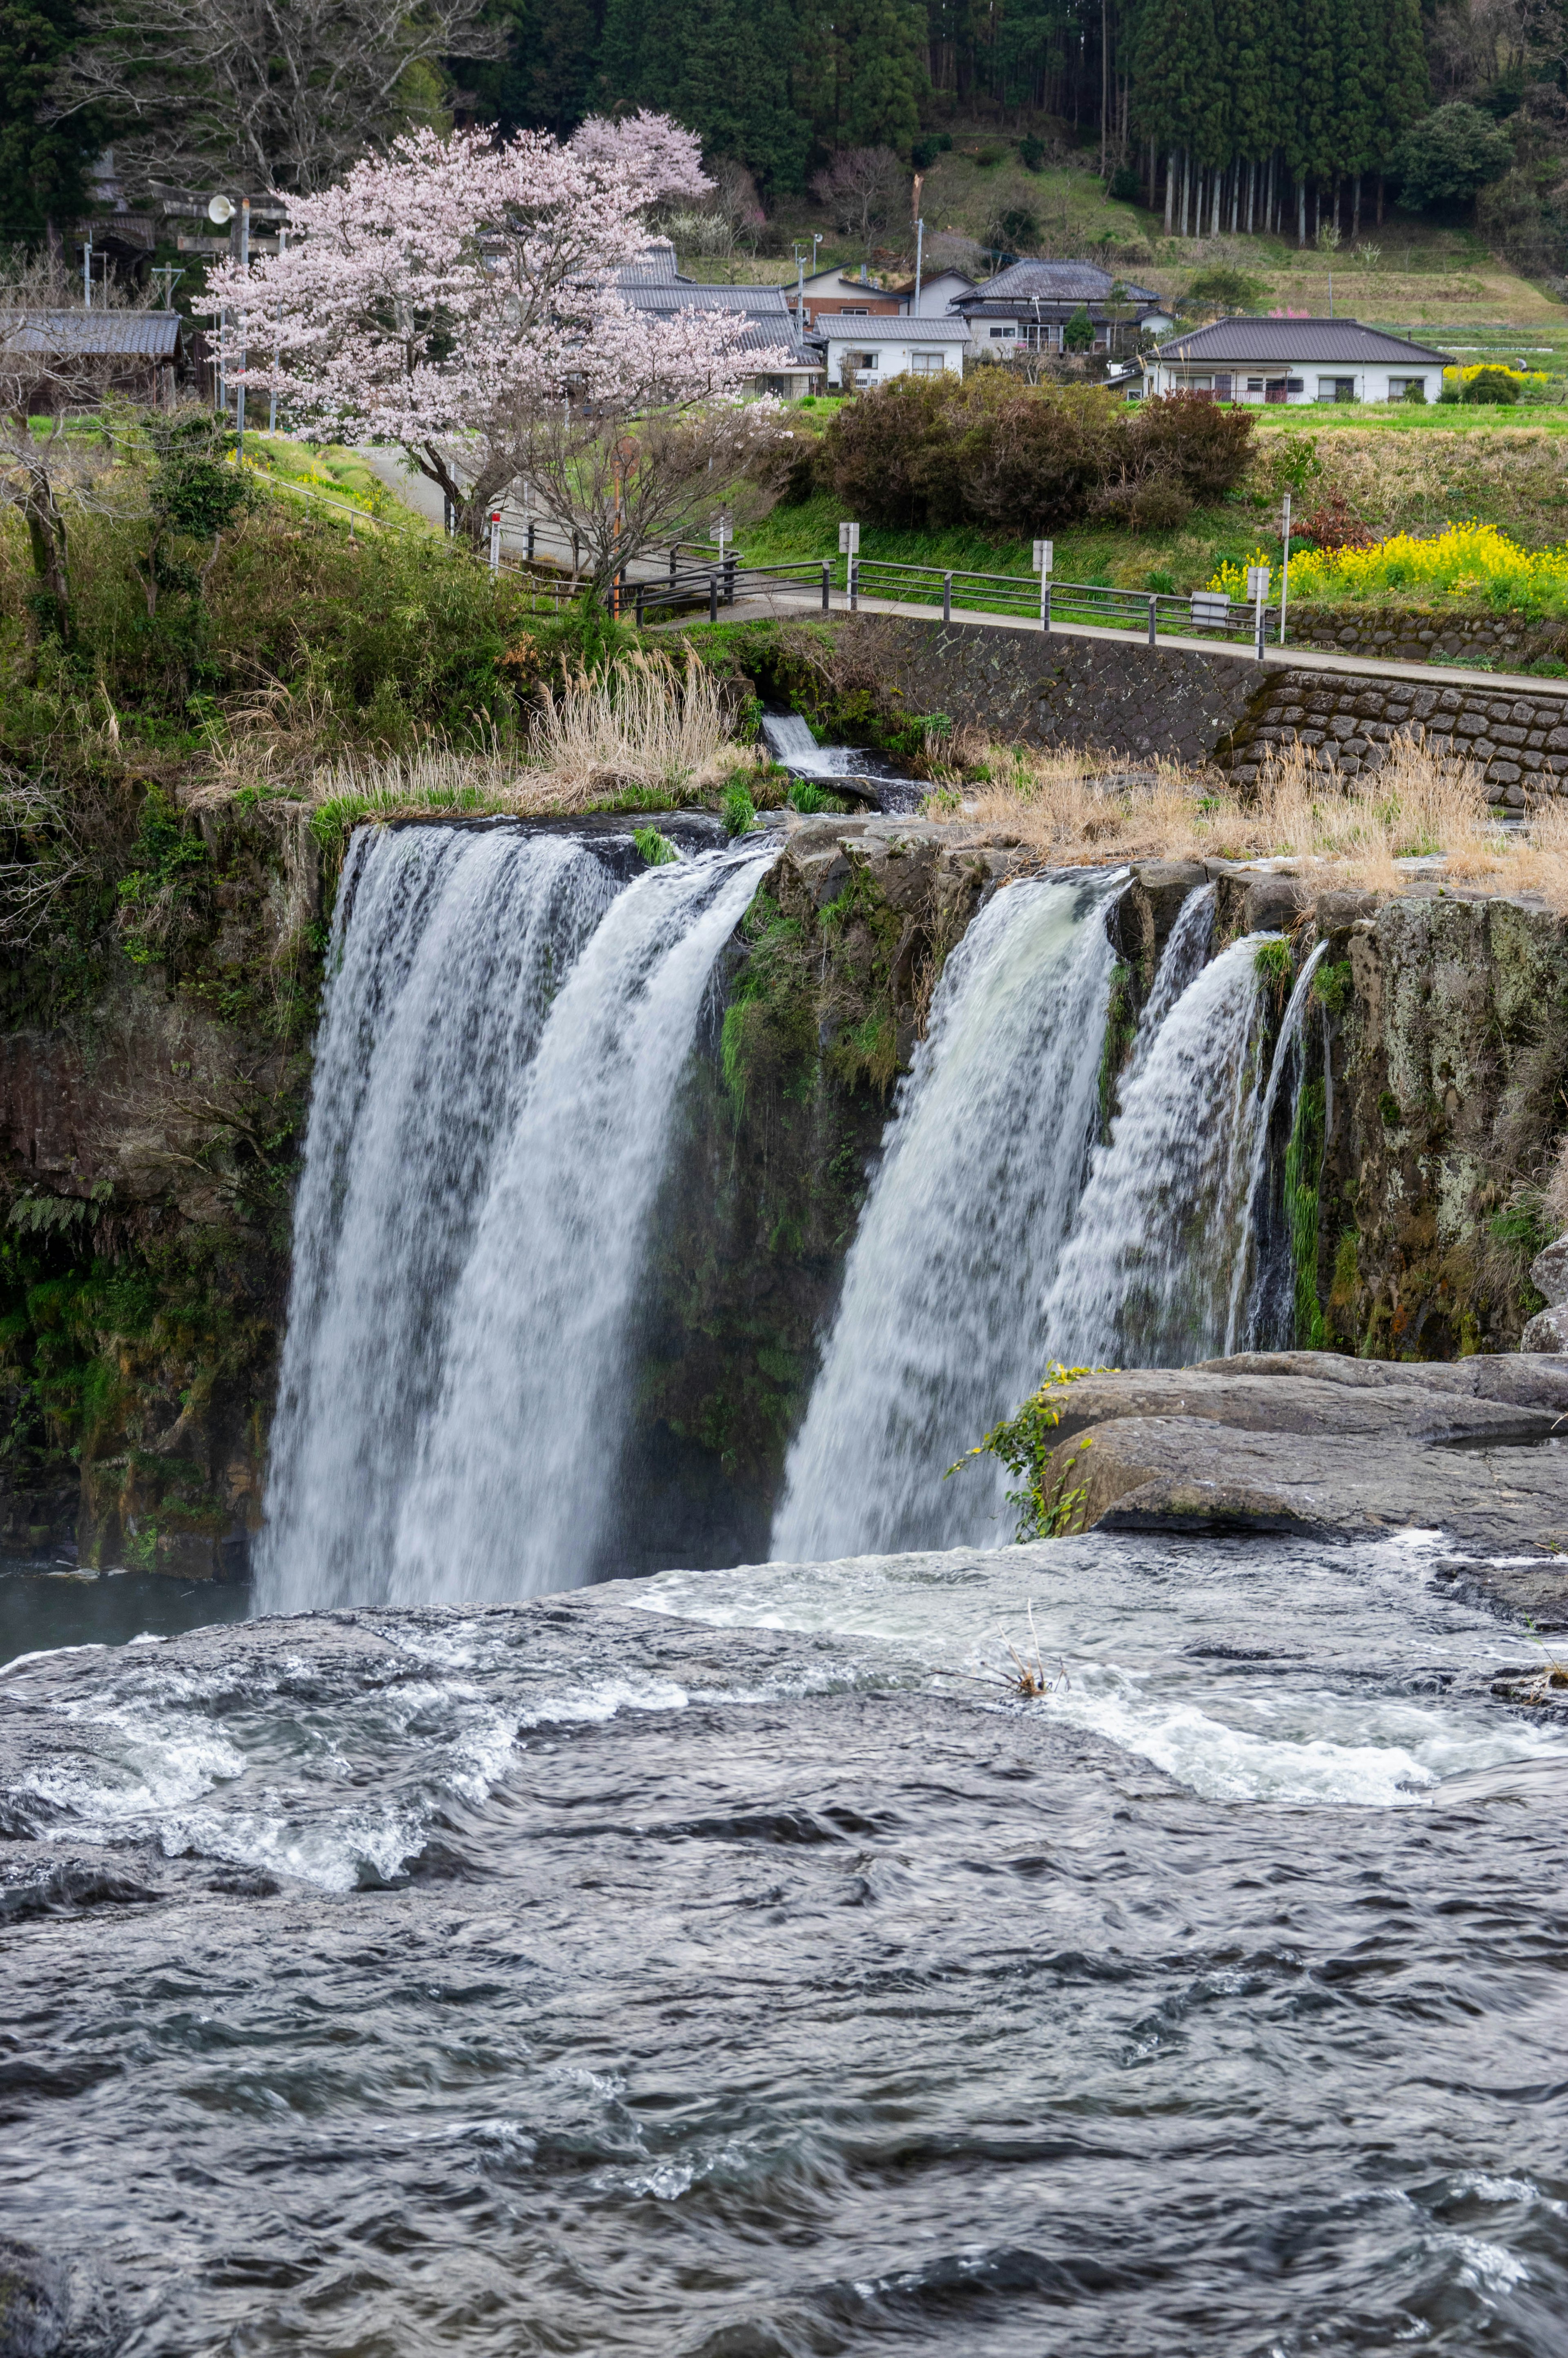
[(153, 1080), (152, 1089)]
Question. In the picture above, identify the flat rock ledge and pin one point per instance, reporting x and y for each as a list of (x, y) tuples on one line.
[(1319, 1445)]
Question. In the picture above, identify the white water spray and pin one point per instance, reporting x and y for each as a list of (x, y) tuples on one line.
[(1146, 1278), (499, 1062), (938, 1330)]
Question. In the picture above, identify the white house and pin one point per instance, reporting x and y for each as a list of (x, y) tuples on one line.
[(1294, 361), (875, 350)]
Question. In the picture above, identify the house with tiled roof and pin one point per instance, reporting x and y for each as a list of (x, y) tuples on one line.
[(1028, 307), (1296, 361), (653, 284)]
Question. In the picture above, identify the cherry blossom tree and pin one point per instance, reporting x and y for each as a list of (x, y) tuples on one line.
[(453, 295)]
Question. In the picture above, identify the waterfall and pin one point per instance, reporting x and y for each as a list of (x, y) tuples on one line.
[(1262, 1291), (1186, 955), (939, 1328), (1146, 1278), (505, 1033)]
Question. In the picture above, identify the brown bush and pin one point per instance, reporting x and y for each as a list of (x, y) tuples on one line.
[(990, 451), (1333, 526), (1192, 442)]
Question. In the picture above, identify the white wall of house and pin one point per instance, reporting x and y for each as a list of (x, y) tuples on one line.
[(1299, 382), (874, 363)]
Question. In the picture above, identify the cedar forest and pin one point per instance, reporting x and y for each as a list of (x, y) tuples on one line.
[(1226, 113)]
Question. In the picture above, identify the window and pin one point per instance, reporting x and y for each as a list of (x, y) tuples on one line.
[(860, 360), (1398, 386), (998, 332), (927, 363), (1336, 388), (854, 310), (1222, 386)]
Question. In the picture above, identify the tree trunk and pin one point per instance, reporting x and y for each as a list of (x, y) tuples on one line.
[(49, 608), (1187, 190), (1170, 188), (1380, 201), (1300, 216), (1356, 208)]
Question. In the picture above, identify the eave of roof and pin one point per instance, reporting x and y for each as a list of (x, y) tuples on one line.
[(1248, 339), (912, 328)]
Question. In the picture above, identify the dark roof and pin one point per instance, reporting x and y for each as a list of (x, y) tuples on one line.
[(1058, 282), (1294, 340), (140, 335), (770, 321), (911, 328)]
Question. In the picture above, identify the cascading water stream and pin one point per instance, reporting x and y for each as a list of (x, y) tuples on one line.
[(1145, 1281), (504, 1036), (1262, 1312), (938, 1329)]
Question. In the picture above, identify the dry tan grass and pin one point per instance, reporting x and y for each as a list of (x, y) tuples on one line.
[(647, 722), (648, 726), (1074, 813)]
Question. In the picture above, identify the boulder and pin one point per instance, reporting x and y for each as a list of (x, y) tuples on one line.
[(1313, 1443), (1548, 1330), (1549, 1275)]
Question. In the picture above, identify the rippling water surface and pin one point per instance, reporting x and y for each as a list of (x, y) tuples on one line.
[(718, 1964)]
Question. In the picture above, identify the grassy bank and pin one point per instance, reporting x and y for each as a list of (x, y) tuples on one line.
[(1473, 466)]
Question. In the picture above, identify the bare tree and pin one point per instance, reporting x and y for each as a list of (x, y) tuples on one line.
[(59, 364), (864, 189), (615, 487), (261, 95)]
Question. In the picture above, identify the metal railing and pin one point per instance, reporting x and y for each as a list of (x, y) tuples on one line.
[(1149, 614), (715, 585)]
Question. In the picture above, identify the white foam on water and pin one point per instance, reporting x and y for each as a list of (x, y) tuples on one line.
[(1230, 1732)]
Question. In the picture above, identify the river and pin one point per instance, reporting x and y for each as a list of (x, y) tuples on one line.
[(725, 1964)]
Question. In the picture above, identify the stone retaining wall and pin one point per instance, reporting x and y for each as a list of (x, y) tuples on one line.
[(1426, 634), (1521, 741), (1196, 706)]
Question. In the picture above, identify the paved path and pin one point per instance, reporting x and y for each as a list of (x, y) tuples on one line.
[(804, 600), (417, 493)]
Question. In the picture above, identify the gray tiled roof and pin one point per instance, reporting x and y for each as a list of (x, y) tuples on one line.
[(139, 335), (914, 328), (771, 321), (1284, 341), (1056, 282)]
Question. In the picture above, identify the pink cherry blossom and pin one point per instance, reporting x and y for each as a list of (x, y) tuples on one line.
[(444, 293)]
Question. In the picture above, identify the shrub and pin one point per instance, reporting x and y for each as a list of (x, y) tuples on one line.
[(1126, 187), (1490, 384), (1079, 333), (1195, 443), (1032, 152), (1450, 153), (1415, 391), (1221, 289), (990, 451), (1332, 526)]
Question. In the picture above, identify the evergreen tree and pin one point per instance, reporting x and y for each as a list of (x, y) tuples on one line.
[(1406, 90), (43, 166), (545, 81), (721, 67), (862, 75), (1361, 65)]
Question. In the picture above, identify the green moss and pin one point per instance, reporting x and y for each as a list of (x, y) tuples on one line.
[(1274, 966), (1388, 1107), (656, 849), (1303, 1165), (1120, 1030), (1333, 986)]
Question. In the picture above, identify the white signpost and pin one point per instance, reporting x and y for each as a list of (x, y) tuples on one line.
[(1258, 578), (1044, 557), (849, 548)]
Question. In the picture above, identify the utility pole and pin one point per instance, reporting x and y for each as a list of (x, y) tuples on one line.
[(87, 271), (272, 389), (919, 254), (245, 265)]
